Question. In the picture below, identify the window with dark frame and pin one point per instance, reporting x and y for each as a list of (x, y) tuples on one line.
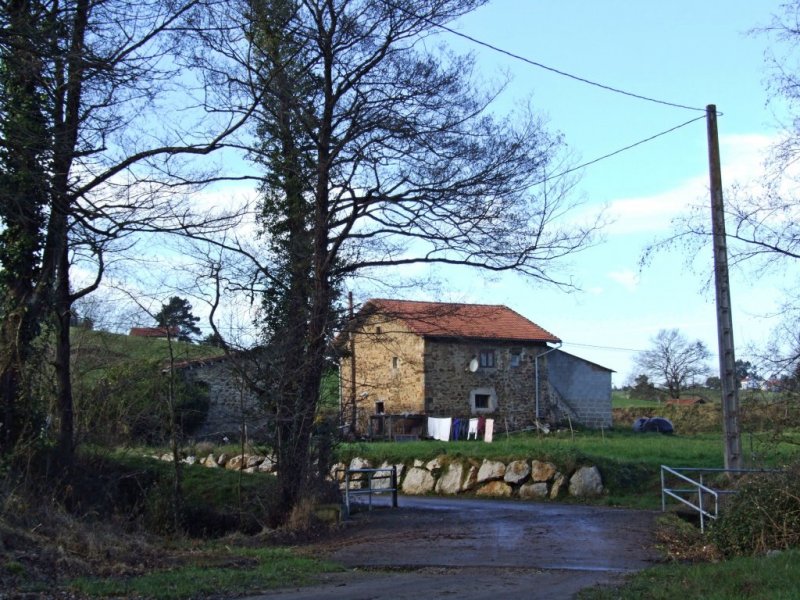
[(487, 359), (482, 401), (379, 407), (395, 362), (516, 358)]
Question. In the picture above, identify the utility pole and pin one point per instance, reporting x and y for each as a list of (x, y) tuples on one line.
[(727, 358), (354, 421)]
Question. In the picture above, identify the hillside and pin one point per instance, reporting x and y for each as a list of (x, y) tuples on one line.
[(94, 352)]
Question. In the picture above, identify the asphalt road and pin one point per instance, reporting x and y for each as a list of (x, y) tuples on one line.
[(469, 549)]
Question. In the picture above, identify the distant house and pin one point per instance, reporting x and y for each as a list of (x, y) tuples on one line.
[(154, 332), (459, 360), (233, 405)]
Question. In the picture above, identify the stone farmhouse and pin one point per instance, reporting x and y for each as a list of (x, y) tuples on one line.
[(403, 357)]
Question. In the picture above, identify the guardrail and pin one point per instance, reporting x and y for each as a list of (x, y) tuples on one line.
[(701, 498), (349, 491)]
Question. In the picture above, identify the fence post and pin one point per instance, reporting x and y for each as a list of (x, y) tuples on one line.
[(394, 486), (347, 493)]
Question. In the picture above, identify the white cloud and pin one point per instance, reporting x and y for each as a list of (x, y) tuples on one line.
[(742, 163), (626, 278)]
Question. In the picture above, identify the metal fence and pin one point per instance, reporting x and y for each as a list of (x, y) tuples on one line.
[(695, 493), (372, 475)]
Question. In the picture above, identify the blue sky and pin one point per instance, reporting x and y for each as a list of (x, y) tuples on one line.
[(686, 52), (683, 51)]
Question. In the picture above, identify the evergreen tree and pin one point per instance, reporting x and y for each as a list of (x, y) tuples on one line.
[(177, 314)]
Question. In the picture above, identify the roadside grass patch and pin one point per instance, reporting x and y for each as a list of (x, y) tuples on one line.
[(250, 570), (776, 576)]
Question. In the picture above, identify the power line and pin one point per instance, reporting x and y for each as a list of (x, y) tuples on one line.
[(602, 347), (554, 70), (620, 150)]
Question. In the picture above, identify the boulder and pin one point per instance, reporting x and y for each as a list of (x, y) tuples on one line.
[(383, 479), (419, 463), (517, 471), (497, 489), (471, 480), (418, 481), (542, 471), (337, 471), (533, 490), (359, 463), (434, 464), (491, 469), (166, 457), (253, 461), (450, 480), (189, 460), (236, 462), (267, 465), (586, 482), (222, 459), (559, 481), (210, 461)]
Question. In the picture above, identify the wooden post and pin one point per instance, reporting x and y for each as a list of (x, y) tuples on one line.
[(354, 416), (727, 358)]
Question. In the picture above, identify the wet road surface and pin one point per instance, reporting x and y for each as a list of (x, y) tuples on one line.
[(465, 548)]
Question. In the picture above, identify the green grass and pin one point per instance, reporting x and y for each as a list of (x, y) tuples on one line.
[(622, 400), (629, 462), (250, 570), (776, 577)]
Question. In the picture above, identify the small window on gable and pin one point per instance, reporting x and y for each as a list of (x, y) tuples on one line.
[(395, 362), (516, 357), (428, 403), (379, 407), (378, 330), (486, 358)]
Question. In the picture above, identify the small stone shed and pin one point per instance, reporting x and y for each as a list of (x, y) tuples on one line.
[(461, 360), (232, 403)]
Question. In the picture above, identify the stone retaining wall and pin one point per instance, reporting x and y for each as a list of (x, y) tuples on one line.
[(526, 479)]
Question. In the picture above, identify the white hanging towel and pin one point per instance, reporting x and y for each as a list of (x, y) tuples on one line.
[(487, 436), (472, 432), (439, 428)]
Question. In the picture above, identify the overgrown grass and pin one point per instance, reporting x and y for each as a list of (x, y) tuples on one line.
[(249, 570), (776, 577)]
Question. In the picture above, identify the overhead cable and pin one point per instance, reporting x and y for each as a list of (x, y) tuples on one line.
[(619, 151)]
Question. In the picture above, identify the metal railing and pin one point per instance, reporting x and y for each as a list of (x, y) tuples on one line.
[(369, 490), (699, 496)]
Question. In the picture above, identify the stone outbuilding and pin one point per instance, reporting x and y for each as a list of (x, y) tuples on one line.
[(404, 357)]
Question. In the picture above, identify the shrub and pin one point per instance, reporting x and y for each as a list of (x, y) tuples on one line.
[(763, 516)]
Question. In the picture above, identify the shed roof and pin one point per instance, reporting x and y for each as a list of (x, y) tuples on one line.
[(451, 320)]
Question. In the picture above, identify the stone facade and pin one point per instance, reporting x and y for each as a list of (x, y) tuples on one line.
[(441, 361), (231, 401), (399, 372)]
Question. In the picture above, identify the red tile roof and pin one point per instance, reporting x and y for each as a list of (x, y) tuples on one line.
[(444, 319)]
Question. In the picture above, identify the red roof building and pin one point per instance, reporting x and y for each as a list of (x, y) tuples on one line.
[(472, 321), (153, 332)]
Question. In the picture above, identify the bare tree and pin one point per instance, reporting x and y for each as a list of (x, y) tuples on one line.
[(82, 94), (674, 361), (377, 151)]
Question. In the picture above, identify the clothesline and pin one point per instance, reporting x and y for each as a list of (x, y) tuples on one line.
[(446, 428)]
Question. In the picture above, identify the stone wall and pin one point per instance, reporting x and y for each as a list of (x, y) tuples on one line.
[(231, 402), (584, 386), (528, 479), (525, 478)]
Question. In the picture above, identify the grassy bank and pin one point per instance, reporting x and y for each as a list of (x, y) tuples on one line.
[(776, 577)]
